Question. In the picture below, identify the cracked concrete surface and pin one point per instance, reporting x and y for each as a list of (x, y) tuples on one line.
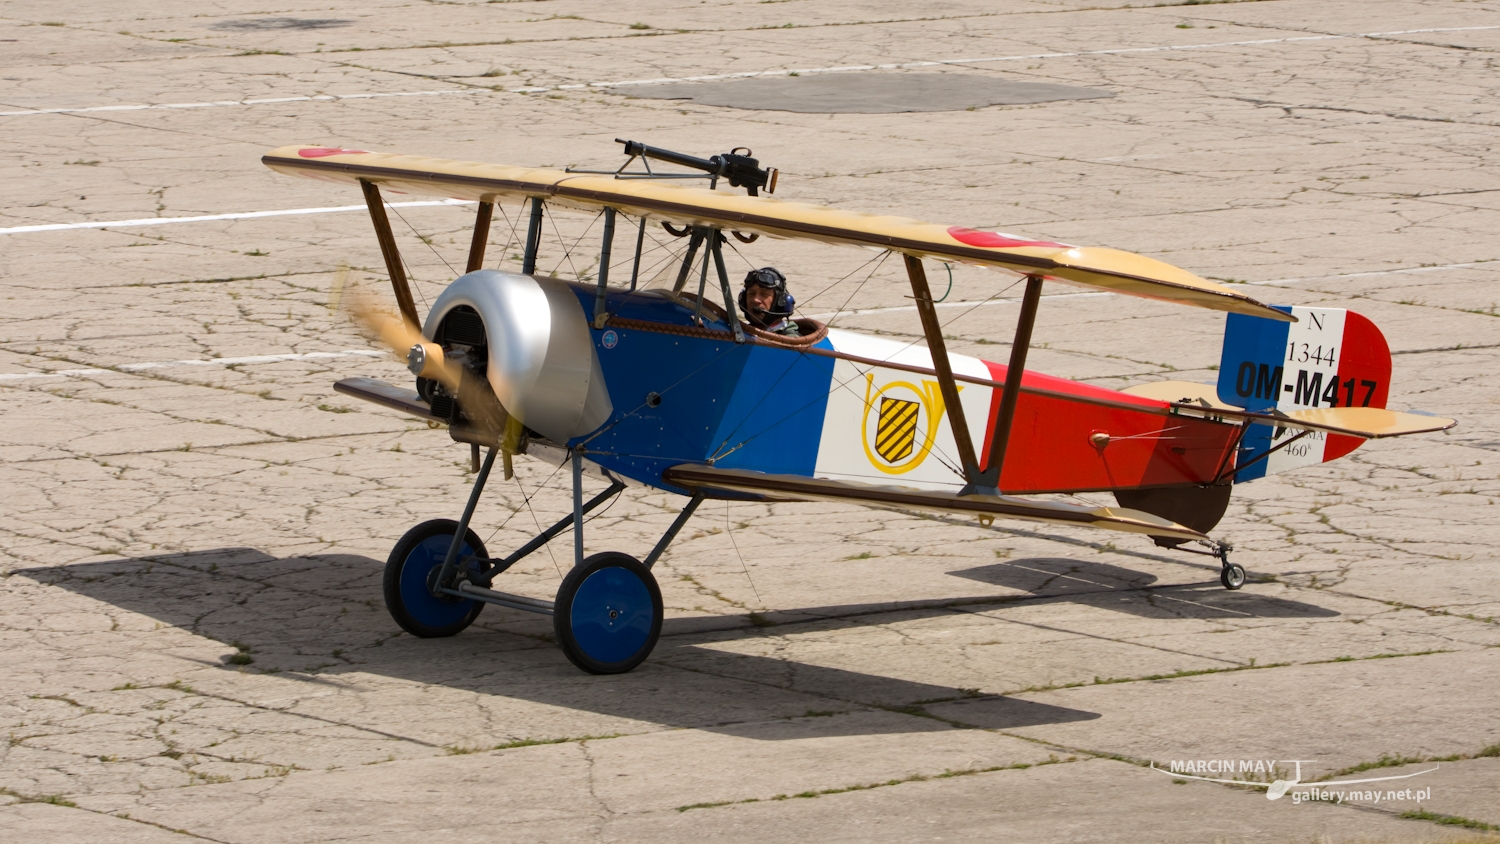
[(193, 636)]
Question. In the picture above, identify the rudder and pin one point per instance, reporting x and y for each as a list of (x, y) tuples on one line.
[(1330, 357)]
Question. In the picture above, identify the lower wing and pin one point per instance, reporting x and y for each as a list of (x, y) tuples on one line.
[(708, 479)]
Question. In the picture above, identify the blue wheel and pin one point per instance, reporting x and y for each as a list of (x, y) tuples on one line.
[(410, 574), (608, 613)]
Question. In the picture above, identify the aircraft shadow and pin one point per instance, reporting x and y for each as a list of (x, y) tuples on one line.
[(298, 615), (1129, 591)]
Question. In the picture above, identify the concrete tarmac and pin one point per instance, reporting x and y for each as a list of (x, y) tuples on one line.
[(193, 642)]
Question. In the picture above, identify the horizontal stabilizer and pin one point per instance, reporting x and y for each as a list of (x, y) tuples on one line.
[(797, 488), (1370, 423), (1180, 393)]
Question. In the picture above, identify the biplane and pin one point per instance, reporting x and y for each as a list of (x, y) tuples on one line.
[(671, 388)]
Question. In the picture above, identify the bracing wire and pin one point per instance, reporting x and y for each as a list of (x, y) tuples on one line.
[(618, 495), (846, 277), (511, 238), (568, 250), (525, 500), (648, 271), (538, 522), (860, 286), (741, 256), (737, 553), (424, 240), (412, 277)]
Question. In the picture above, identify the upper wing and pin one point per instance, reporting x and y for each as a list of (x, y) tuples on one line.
[(798, 488), (1095, 267)]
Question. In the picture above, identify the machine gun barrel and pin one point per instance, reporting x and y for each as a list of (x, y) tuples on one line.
[(711, 166)]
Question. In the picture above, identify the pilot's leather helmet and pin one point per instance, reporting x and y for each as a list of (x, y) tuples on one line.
[(772, 279)]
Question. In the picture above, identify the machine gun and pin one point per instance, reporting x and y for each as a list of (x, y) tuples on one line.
[(737, 166)]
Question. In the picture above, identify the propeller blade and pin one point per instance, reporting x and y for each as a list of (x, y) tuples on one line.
[(401, 337)]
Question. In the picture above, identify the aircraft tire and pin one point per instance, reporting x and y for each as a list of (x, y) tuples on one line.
[(1232, 575), (608, 613), (413, 563)]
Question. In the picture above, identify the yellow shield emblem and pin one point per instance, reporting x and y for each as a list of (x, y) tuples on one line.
[(896, 433), (905, 429)]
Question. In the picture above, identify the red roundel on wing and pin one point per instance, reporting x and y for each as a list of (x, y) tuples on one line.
[(995, 240), (322, 152)]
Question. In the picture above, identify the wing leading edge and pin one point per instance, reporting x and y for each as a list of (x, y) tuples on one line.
[(1093, 267)]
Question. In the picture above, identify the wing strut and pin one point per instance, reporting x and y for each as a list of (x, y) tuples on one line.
[(989, 480), (717, 247), (940, 364), (533, 237), (687, 261), (635, 269), (481, 236), (392, 255), (601, 316)]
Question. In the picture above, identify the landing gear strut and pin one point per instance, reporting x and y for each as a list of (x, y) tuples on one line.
[(608, 612), (1232, 575)]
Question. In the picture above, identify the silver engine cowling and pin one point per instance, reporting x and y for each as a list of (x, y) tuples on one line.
[(542, 365)]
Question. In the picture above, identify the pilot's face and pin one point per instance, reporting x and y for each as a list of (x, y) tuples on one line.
[(759, 299)]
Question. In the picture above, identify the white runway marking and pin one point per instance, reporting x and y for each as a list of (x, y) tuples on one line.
[(1121, 51), (244, 215), (172, 364), (267, 101)]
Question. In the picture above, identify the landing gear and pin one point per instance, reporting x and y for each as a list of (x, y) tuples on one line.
[(1232, 575), (608, 613), (411, 578)]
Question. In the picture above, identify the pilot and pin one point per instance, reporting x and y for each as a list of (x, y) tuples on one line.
[(767, 304)]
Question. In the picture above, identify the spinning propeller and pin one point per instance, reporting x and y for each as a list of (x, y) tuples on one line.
[(426, 359)]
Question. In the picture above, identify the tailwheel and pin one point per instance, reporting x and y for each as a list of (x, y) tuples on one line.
[(608, 613), (1232, 575), (411, 579)]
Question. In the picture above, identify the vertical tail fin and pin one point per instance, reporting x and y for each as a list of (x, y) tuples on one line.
[(1330, 357)]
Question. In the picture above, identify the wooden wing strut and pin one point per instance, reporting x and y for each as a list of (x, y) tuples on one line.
[(988, 480), (481, 236), (934, 332), (1015, 370), (392, 255)]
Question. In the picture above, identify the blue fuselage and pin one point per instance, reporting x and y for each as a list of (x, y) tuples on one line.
[(688, 395)]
